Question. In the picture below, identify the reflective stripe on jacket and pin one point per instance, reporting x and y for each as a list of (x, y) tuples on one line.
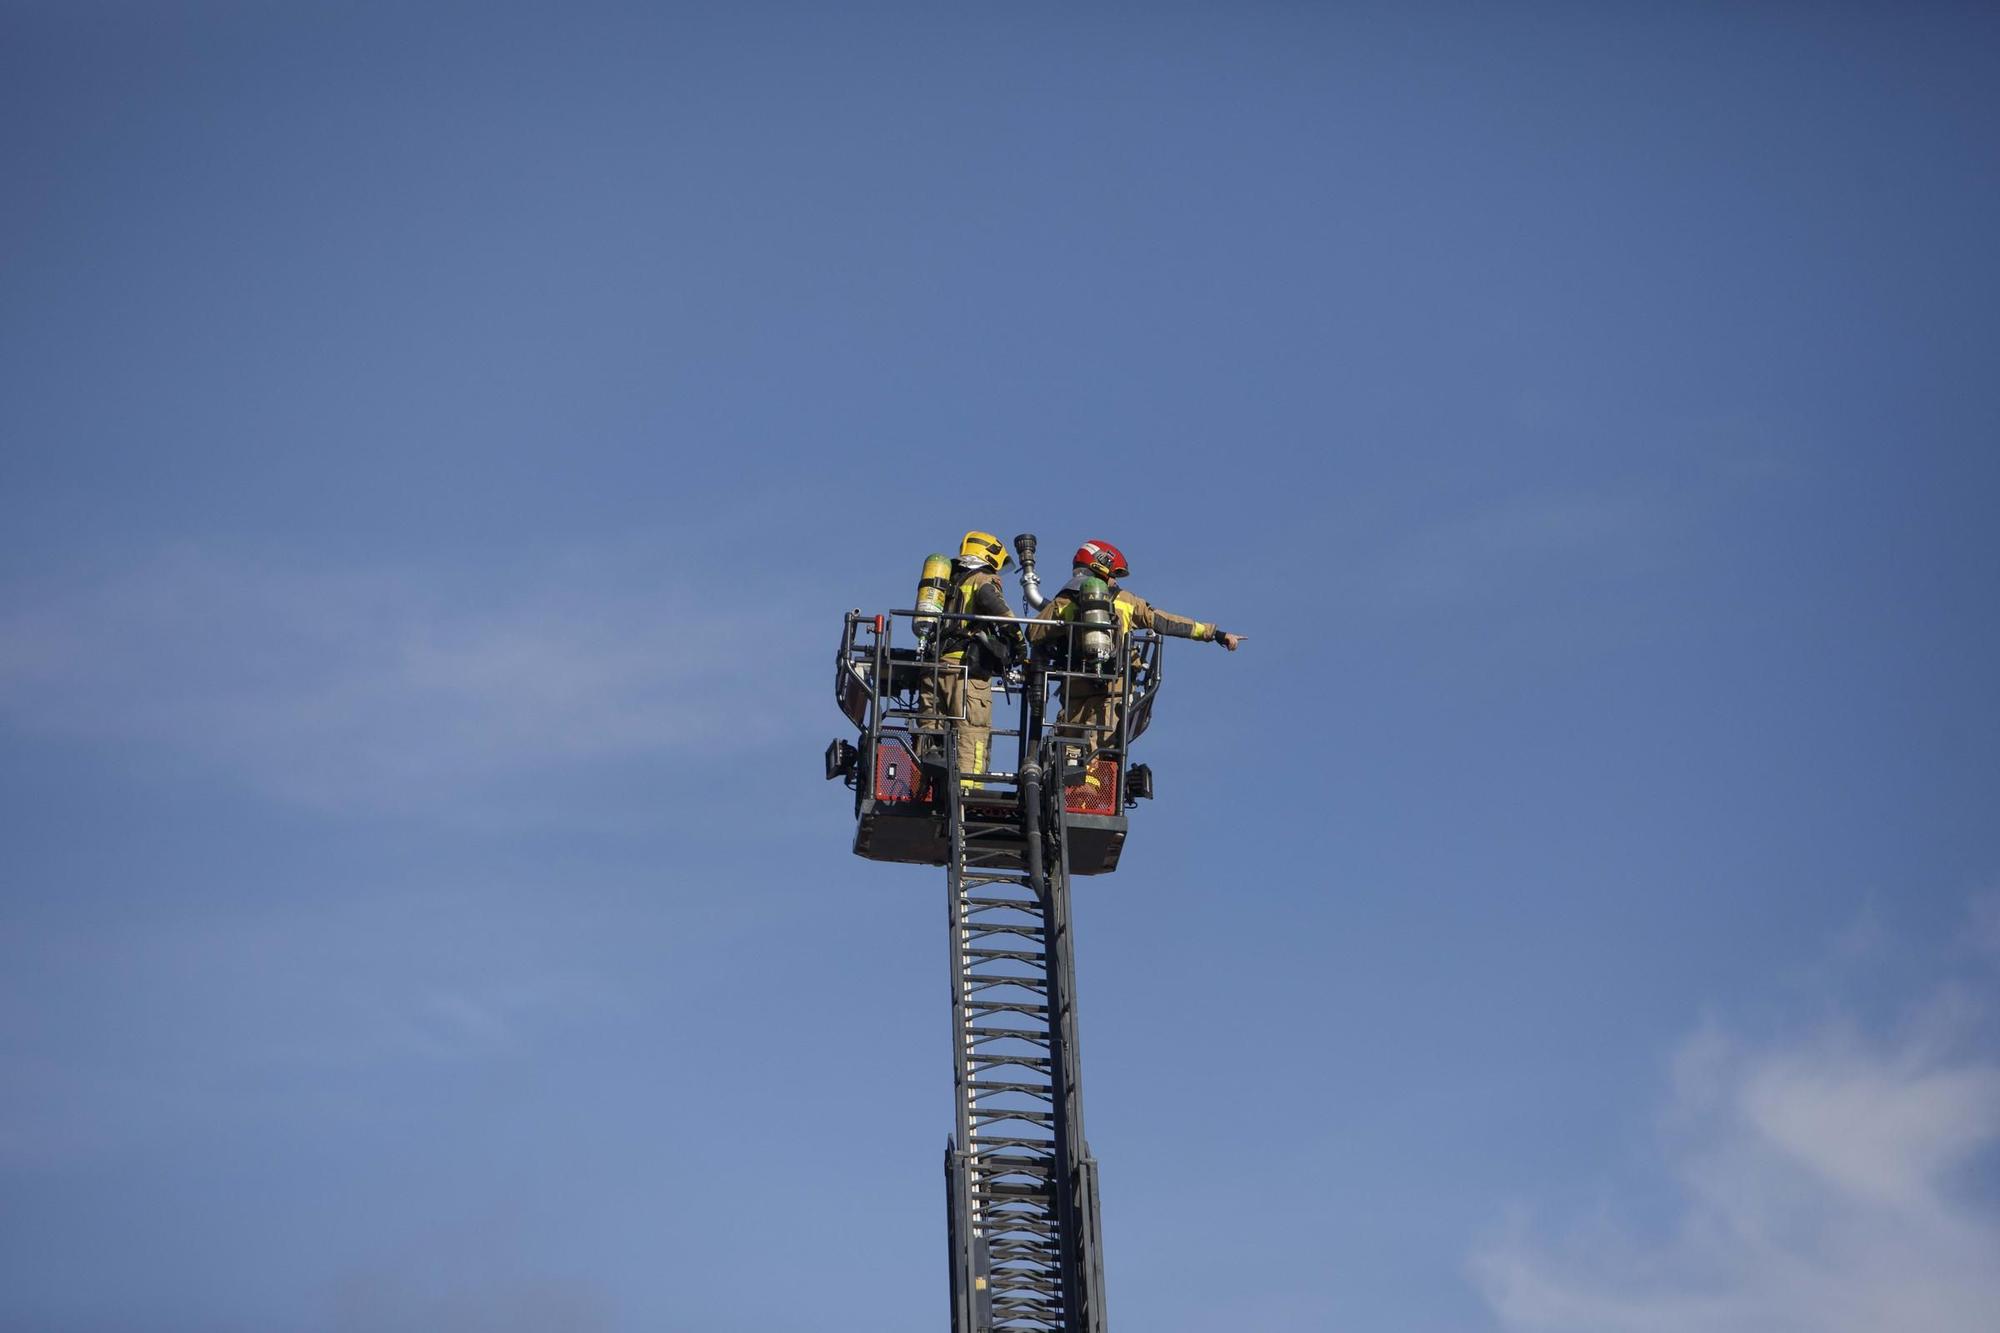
[(1133, 611)]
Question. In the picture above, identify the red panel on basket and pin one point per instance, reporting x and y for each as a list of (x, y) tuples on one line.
[(897, 776), (1084, 799)]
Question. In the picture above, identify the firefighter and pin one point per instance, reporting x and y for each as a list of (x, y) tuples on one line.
[(960, 687), (1089, 707)]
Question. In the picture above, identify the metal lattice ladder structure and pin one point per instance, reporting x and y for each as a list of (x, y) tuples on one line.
[(1026, 1248)]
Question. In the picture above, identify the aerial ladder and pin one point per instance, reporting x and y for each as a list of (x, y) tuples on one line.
[(1021, 1188)]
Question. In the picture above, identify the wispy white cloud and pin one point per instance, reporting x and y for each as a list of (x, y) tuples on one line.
[(391, 688), (1822, 1187), (257, 1013)]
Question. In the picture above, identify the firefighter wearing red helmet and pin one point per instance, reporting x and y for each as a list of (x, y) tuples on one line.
[(1100, 558), (1089, 708)]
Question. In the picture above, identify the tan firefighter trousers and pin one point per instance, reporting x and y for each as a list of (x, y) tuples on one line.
[(965, 706)]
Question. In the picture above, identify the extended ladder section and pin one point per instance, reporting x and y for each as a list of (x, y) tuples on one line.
[(1026, 1247), (1021, 1185)]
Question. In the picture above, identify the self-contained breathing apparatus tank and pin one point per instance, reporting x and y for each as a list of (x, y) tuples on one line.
[(1097, 624), (932, 590)]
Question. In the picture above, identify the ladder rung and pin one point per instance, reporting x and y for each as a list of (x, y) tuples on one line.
[(1031, 1089), (1037, 1035), (993, 1161), (986, 1113), (979, 981), (982, 1063)]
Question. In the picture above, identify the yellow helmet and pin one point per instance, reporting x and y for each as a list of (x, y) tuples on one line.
[(983, 546)]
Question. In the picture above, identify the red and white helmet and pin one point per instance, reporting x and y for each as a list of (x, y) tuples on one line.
[(1100, 558)]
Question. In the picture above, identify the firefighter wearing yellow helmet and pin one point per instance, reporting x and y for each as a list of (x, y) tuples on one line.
[(958, 690)]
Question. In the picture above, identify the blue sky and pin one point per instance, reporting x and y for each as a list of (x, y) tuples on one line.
[(438, 442)]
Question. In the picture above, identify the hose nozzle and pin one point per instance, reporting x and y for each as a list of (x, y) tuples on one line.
[(1031, 582)]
